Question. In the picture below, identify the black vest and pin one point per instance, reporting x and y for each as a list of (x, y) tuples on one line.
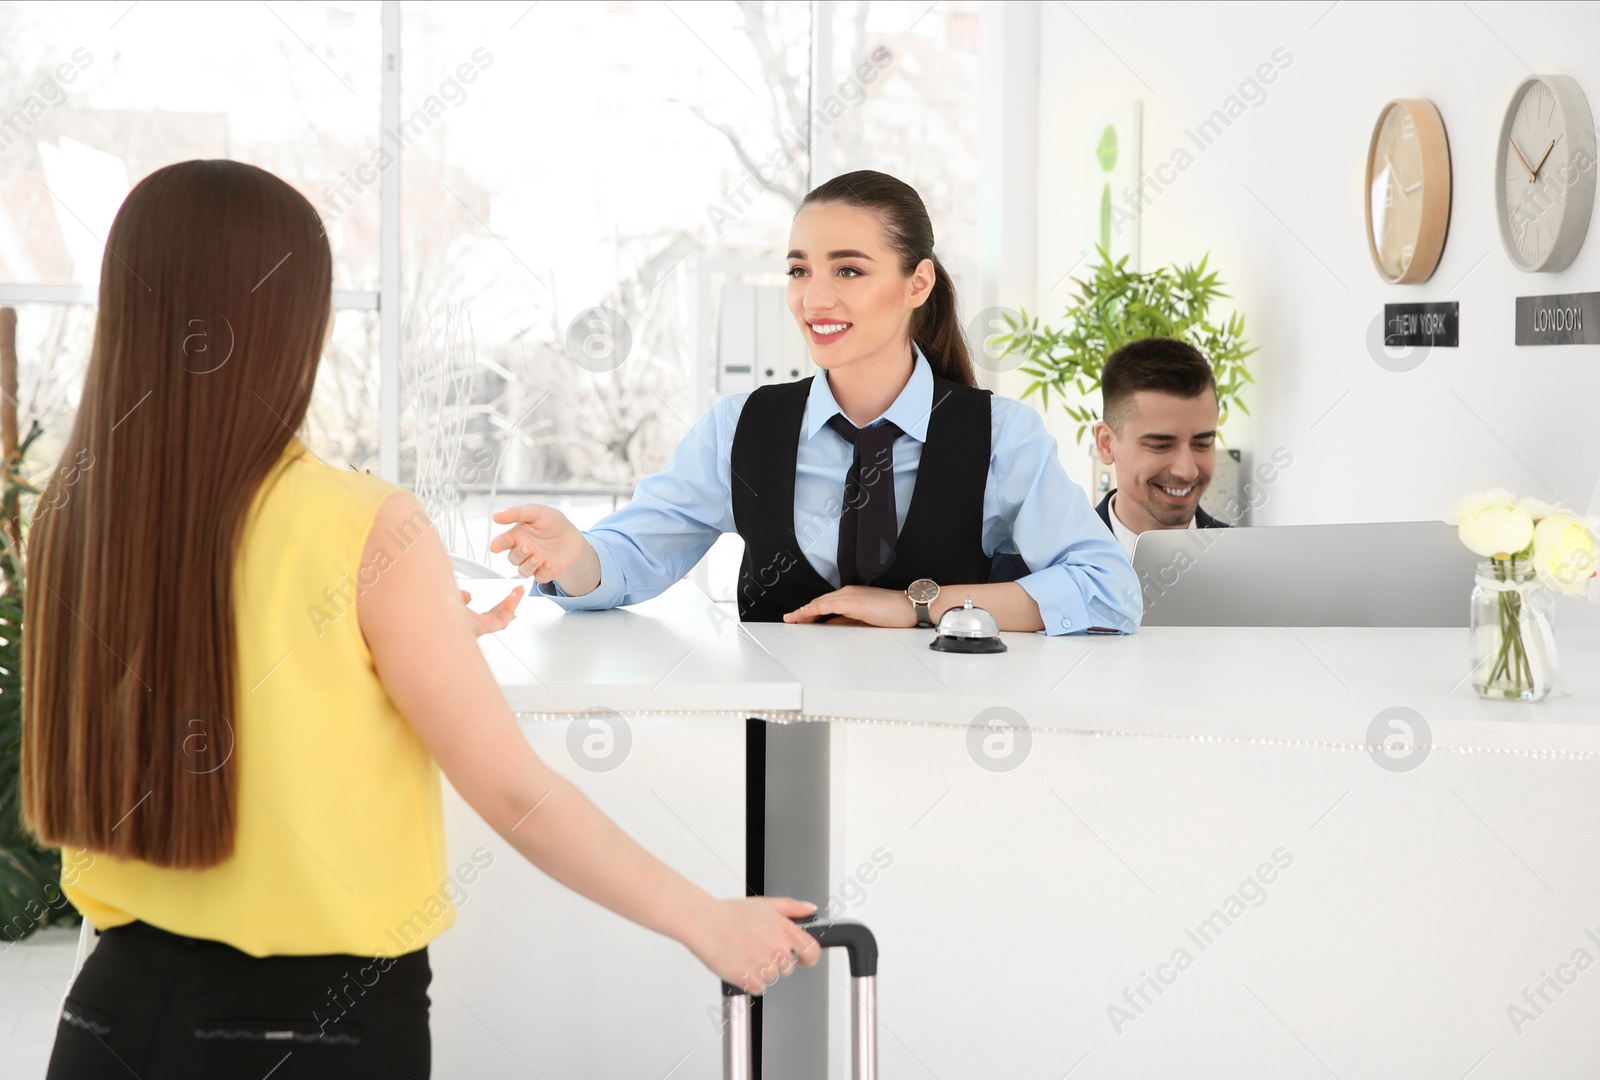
[(942, 538)]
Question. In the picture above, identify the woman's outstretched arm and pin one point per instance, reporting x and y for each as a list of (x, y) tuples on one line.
[(425, 650)]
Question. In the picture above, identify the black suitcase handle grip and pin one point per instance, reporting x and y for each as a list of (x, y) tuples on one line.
[(853, 937)]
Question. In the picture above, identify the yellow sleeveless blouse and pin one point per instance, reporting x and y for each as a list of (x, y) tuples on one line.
[(340, 840)]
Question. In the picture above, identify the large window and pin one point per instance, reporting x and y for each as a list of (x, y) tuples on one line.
[(577, 183)]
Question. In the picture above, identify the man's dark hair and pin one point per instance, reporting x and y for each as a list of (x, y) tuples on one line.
[(1166, 365)]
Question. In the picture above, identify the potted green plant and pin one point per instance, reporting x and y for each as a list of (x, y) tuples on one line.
[(30, 894), (1116, 305)]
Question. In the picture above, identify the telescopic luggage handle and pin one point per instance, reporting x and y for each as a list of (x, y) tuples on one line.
[(862, 947)]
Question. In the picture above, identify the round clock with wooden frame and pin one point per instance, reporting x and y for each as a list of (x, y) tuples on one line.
[(1408, 191), (1545, 173)]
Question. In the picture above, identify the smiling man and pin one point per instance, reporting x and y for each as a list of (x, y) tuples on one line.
[(1159, 400)]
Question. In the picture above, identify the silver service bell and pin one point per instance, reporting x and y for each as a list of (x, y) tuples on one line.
[(968, 629)]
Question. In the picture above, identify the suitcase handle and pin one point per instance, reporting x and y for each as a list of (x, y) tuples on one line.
[(853, 937), (862, 947)]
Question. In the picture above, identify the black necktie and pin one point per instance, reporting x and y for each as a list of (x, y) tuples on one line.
[(867, 526)]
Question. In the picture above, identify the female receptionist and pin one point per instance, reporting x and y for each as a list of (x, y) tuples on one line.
[(877, 491)]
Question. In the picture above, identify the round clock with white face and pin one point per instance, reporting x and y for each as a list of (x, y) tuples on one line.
[(1545, 173)]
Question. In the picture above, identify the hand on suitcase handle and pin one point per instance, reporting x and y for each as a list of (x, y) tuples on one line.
[(853, 937), (863, 948), (755, 939)]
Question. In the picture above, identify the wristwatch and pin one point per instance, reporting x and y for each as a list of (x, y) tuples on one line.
[(921, 593)]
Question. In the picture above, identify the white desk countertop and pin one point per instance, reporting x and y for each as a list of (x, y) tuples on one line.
[(1301, 684), (681, 652)]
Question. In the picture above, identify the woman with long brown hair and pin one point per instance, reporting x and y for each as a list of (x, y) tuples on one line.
[(244, 670), (880, 490)]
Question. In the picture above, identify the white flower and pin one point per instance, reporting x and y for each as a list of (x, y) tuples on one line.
[(1497, 531), (1565, 555), (1479, 500), (1538, 509)]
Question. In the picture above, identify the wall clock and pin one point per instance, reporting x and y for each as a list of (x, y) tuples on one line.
[(1545, 173), (1408, 191)]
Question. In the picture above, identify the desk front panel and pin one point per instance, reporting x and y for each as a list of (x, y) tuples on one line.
[(533, 980), (1117, 907)]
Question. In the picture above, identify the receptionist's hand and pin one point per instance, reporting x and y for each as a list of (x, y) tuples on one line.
[(541, 543), (860, 604)]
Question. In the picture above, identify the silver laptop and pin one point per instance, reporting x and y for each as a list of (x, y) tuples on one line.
[(1402, 573)]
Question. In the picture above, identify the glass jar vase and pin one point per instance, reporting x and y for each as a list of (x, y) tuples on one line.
[(1511, 652)]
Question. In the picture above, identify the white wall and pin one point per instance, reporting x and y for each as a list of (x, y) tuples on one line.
[(1395, 446)]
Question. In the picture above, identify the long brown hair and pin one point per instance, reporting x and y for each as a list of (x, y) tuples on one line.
[(214, 300), (936, 327)]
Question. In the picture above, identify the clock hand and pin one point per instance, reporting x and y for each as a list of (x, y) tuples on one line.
[(1520, 158), (1546, 157), (1413, 187)]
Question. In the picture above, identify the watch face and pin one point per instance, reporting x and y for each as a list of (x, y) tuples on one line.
[(922, 591)]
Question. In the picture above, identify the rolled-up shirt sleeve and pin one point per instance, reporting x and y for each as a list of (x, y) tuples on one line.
[(1081, 577), (671, 522)]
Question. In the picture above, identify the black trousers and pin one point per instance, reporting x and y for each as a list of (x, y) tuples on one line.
[(153, 1004)]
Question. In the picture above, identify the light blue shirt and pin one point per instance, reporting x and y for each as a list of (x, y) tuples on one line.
[(1082, 578)]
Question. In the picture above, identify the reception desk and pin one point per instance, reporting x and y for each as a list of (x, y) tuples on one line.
[(1230, 852)]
